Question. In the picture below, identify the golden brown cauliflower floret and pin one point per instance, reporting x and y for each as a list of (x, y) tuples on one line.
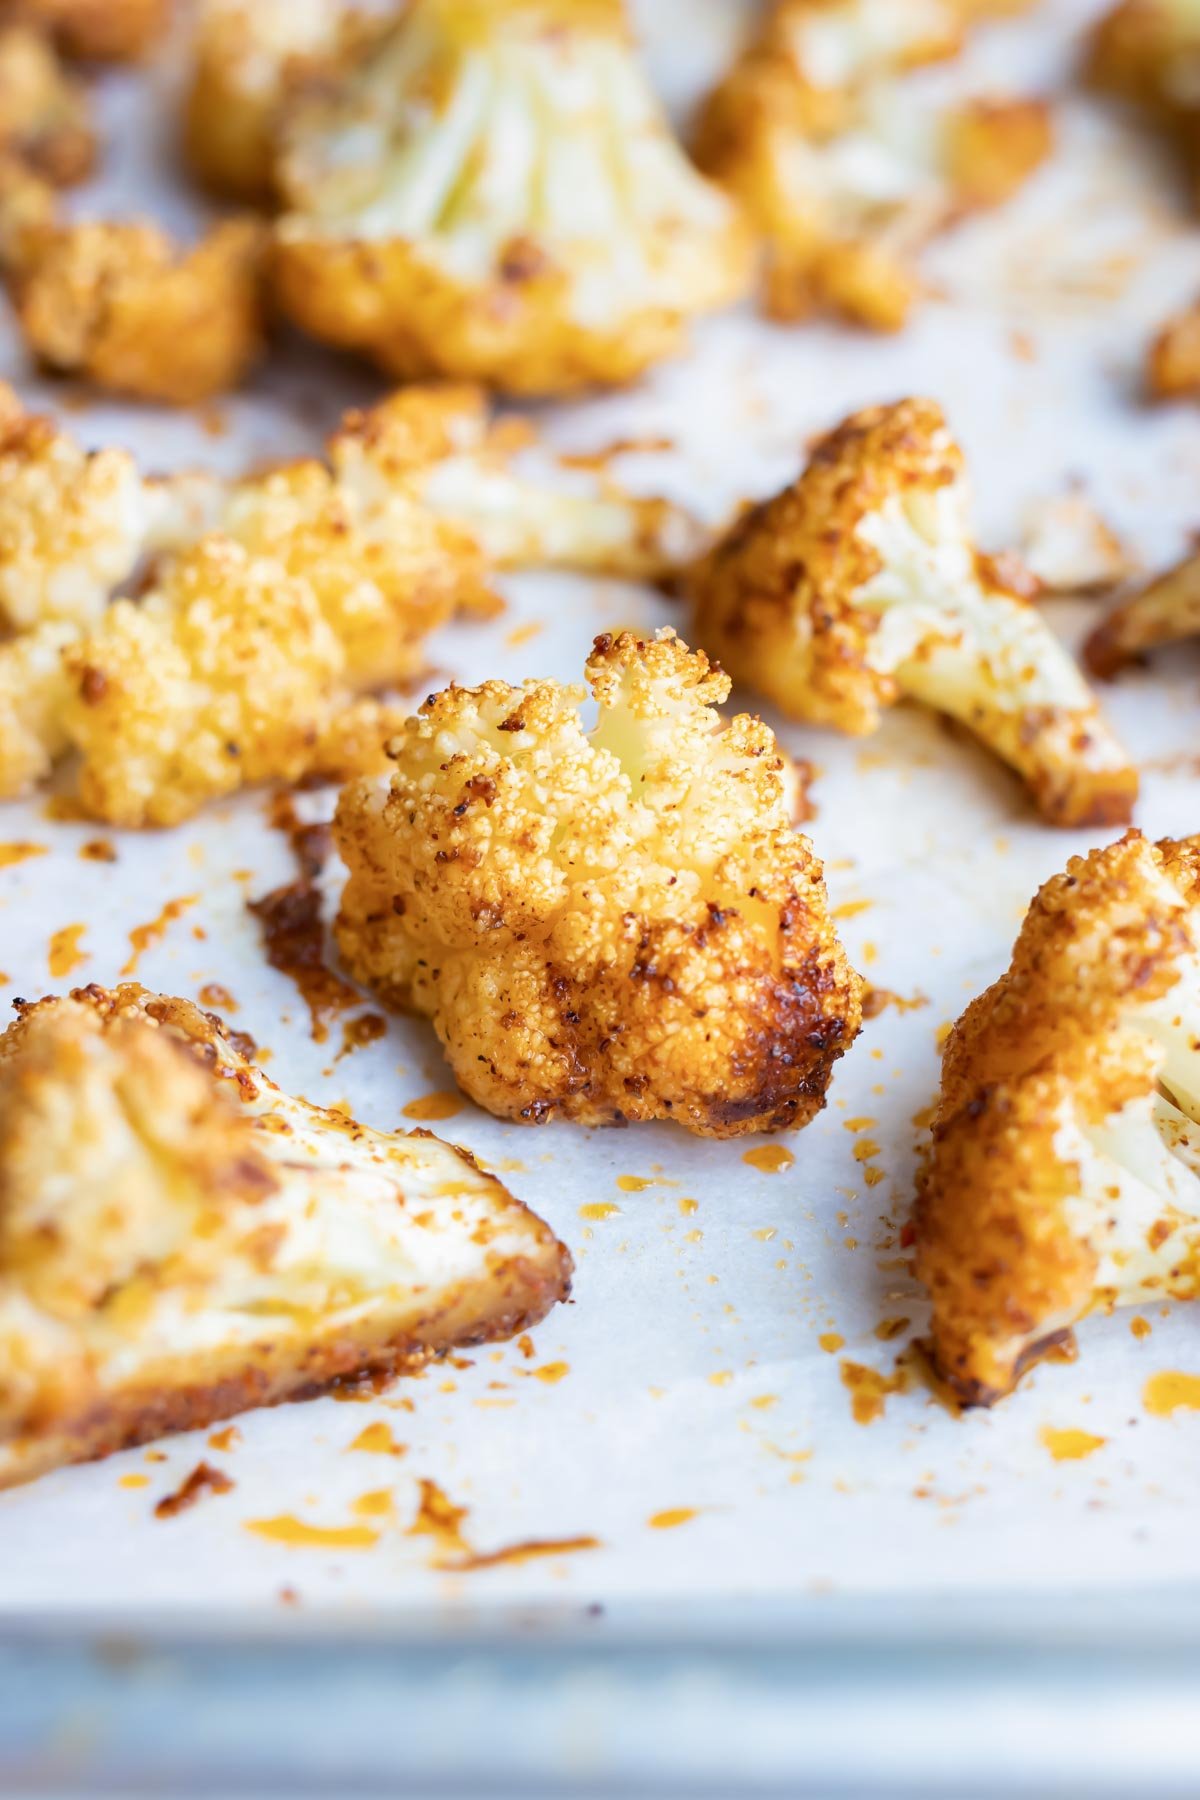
[(843, 174), (97, 30), (606, 926), (45, 120), (1165, 612), (1064, 1171), (860, 585), (125, 307), (495, 193), (1147, 52), (1173, 363), (180, 1240), (247, 57)]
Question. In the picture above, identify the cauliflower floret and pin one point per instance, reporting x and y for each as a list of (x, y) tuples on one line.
[(180, 1240), (860, 585), (845, 176), (97, 30), (1173, 364), (125, 307), (34, 690), (606, 926), (1064, 1171), (1165, 612), (1147, 52), (247, 56), (495, 193), (45, 120)]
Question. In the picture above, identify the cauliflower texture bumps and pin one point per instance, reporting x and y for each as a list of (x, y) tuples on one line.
[(1064, 1173), (181, 1240), (605, 926), (859, 585), (494, 192)]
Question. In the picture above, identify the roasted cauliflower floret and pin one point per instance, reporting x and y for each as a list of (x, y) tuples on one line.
[(1147, 52), (1064, 1171), (1173, 363), (180, 1240), (125, 307), (45, 119), (606, 926), (34, 692), (1164, 612), (844, 175), (96, 30), (860, 585), (247, 57), (495, 193)]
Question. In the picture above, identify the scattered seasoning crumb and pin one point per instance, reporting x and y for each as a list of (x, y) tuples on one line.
[(873, 1176), (286, 1529), (865, 1149), (19, 853), (1067, 1444), (1171, 1392), (550, 1373), (64, 955), (671, 1517), (225, 1439), (368, 1028), (98, 850), (142, 936), (599, 1209), (219, 998), (878, 999), (770, 1159), (524, 1345), (1141, 1328), (377, 1440), (204, 1479), (831, 1342), (431, 1107), (869, 1389)]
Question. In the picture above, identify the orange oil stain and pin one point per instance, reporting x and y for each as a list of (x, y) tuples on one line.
[(523, 634), (761, 1402), (862, 1124), (869, 1389), (134, 1481), (851, 909), (529, 1551), (671, 1517), (1171, 1391), (865, 1149), (380, 1503), (831, 1342), (550, 1373), (770, 1159), (430, 1107), (64, 955), (599, 1209), (1141, 1328), (1067, 1444), (438, 1518), (377, 1440), (287, 1529), (19, 853), (635, 1184), (225, 1439), (688, 1208), (721, 1378), (765, 1233), (142, 936), (218, 998)]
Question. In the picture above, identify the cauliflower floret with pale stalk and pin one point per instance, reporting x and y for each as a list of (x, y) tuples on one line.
[(247, 56), (495, 193), (845, 183), (45, 120), (605, 926), (180, 1240), (860, 585), (97, 30), (1147, 52), (1064, 1170), (125, 307), (1165, 612)]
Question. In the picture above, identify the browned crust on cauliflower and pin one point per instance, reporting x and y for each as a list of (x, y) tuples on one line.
[(98, 30), (1007, 1270), (139, 1150), (1166, 611), (777, 600), (126, 308), (45, 118), (609, 928), (1173, 360)]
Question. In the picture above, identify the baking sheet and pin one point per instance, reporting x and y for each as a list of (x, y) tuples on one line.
[(690, 1410)]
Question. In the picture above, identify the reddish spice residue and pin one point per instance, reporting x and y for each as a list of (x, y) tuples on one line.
[(292, 929), (525, 1344), (142, 936), (918, 1363), (1141, 1328), (439, 1518), (204, 1479), (529, 1551), (64, 955), (98, 850), (878, 999), (869, 1389), (218, 998), (368, 1028), (432, 1107), (624, 446), (19, 853)]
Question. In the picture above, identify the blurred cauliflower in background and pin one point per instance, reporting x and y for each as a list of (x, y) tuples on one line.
[(45, 117), (495, 192), (860, 585), (1147, 52), (96, 30), (608, 925), (1064, 1170), (1166, 611)]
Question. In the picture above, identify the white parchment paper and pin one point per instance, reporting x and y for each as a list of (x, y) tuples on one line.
[(698, 1373)]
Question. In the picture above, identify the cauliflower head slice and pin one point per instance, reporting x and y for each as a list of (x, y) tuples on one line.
[(496, 194), (1064, 1169), (181, 1240), (98, 30), (124, 306), (844, 197), (1165, 612), (604, 926), (45, 119), (860, 585)]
